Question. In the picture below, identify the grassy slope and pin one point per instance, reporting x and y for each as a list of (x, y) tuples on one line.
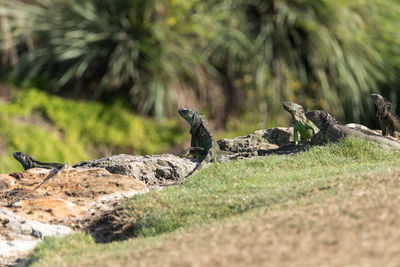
[(55, 129), (340, 199)]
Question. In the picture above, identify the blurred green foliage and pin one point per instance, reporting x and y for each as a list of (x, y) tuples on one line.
[(227, 57), (55, 129)]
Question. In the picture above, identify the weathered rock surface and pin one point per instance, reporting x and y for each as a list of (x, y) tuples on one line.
[(153, 170), (70, 199), (73, 193), (19, 236), (261, 140)]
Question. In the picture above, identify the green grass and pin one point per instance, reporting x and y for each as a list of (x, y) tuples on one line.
[(70, 130), (226, 190)]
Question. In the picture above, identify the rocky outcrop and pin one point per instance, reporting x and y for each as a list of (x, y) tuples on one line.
[(153, 170), (259, 141), (80, 197), (67, 202), (19, 236)]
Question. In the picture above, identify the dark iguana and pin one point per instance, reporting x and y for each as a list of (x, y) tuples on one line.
[(203, 145), (29, 162), (331, 130), (301, 124), (389, 121)]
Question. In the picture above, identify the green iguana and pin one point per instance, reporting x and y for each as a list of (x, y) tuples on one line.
[(301, 124), (389, 121), (203, 145), (330, 130)]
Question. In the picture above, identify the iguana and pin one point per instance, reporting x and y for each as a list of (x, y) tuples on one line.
[(331, 130), (301, 124), (29, 162), (389, 121), (203, 145)]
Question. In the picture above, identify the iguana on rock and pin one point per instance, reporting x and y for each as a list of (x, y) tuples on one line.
[(389, 121), (301, 124), (203, 145), (331, 130), (29, 162)]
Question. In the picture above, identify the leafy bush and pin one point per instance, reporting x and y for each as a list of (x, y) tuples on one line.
[(54, 129), (226, 56)]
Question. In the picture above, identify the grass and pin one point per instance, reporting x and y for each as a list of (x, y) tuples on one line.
[(279, 207)]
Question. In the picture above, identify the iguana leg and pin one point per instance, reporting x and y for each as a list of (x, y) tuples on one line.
[(187, 152), (295, 136)]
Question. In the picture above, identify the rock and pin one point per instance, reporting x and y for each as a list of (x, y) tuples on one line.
[(153, 170), (70, 195), (72, 198), (19, 236), (263, 140)]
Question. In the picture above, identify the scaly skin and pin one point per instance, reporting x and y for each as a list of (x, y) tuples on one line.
[(389, 121), (203, 144), (332, 131), (301, 124), (29, 162)]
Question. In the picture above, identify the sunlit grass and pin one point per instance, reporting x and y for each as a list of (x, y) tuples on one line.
[(230, 189)]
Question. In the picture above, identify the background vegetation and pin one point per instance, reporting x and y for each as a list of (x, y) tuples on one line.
[(234, 60), (225, 57), (55, 129)]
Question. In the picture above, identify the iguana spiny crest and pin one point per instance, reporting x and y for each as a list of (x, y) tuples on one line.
[(321, 118)]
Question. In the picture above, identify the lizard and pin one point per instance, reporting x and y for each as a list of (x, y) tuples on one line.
[(203, 146), (29, 162), (332, 130), (389, 121), (301, 124)]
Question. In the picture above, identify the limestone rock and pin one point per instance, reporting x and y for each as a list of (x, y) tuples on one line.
[(153, 170), (19, 236), (263, 140), (72, 198), (68, 196)]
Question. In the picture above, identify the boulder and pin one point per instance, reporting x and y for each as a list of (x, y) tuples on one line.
[(153, 170), (19, 236), (261, 140), (72, 198)]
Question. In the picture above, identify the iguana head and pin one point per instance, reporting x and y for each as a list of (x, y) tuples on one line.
[(320, 117), (24, 159), (380, 102), (295, 110), (191, 116)]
